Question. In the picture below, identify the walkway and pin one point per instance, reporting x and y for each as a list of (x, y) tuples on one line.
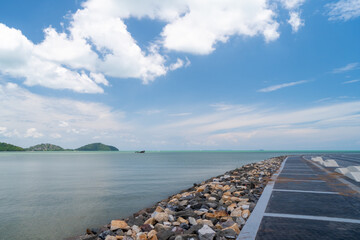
[(305, 201)]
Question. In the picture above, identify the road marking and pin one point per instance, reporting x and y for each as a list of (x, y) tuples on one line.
[(284, 173), (303, 191), (320, 218), (297, 180)]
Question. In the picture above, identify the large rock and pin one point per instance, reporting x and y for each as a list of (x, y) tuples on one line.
[(228, 234), (192, 221), (186, 213), (234, 227), (118, 224), (206, 233), (108, 237), (161, 217), (165, 234), (236, 212)]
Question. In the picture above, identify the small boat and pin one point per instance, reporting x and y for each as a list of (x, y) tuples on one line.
[(143, 151)]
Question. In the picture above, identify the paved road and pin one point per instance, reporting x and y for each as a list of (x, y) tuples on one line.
[(306, 201)]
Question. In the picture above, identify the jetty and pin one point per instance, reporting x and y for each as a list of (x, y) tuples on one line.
[(308, 199)]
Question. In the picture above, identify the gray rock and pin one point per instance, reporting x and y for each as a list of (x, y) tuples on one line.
[(240, 221), (192, 221), (104, 234), (227, 224), (206, 233), (186, 213), (229, 233), (165, 234)]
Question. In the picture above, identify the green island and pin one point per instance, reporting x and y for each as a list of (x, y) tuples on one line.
[(97, 147), (10, 148), (47, 147)]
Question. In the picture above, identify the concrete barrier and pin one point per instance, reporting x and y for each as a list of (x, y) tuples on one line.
[(330, 163)]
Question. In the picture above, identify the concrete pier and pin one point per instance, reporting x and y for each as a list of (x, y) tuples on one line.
[(307, 201)]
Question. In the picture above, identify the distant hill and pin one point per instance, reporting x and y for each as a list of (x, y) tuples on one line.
[(45, 147), (9, 147), (97, 147)]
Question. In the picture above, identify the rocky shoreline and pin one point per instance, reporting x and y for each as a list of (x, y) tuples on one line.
[(214, 209)]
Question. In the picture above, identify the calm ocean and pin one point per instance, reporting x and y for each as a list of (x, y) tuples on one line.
[(47, 196)]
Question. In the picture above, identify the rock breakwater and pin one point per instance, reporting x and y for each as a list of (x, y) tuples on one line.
[(214, 209)]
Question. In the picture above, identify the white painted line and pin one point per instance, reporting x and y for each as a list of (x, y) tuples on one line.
[(303, 191), (298, 180), (252, 225), (284, 173), (307, 217)]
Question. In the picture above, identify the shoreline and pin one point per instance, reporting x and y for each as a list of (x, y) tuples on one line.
[(214, 209)]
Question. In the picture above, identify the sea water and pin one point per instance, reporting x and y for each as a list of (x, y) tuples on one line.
[(54, 195)]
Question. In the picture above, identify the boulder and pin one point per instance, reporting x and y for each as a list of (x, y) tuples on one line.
[(192, 221), (141, 236), (234, 227), (245, 214), (151, 221), (118, 224), (108, 237), (228, 234), (206, 233), (161, 217), (165, 234), (236, 212)]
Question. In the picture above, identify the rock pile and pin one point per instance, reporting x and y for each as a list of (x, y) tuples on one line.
[(214, 209)]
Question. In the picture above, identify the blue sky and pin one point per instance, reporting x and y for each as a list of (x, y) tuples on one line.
[(181, 75)]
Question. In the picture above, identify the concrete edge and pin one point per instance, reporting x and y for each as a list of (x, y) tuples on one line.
[(251, 227)]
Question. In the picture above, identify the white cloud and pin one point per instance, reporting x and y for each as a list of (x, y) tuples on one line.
[(24, 114), (33, 133), (295, 21), (349, 67), (179, 63), (344, 10), (55, 135), (271, 128), (280, 86), (180, 114), (206, 23), (292, 4), (97, 44), (352, 81), (18, 58)]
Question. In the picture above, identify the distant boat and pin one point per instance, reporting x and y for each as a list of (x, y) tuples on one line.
[(143, 151)]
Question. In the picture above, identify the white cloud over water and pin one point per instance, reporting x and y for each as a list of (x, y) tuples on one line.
[(29, 119), (25, 116)]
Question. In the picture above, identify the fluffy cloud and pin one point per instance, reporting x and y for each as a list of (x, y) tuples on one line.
[(207, 22), (97, 43), (27, 115), (33, 133), (295, 21), (344, 10), (292, 4), (19, 59)]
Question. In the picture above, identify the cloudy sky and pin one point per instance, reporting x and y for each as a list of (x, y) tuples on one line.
[(181, 74)]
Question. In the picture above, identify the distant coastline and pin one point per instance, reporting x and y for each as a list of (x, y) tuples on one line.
[(47, 147)]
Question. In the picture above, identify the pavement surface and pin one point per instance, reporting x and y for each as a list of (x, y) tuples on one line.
[(307, 201)]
